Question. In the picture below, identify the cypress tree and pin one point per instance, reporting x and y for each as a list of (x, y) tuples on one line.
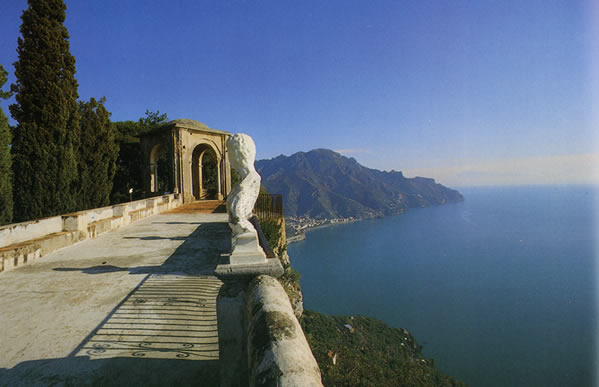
[(46, 139), (5, 160), (97, 154)]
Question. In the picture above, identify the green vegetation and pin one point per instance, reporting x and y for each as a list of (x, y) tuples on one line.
[(46, 138), (272, 231), (209, 174), (97, 155), (362, 351), (129, 168), (293, 274), (6, 202)]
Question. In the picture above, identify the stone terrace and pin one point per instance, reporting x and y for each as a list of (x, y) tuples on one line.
[(134, 306)]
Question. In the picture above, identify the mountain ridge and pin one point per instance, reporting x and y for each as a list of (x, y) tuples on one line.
[(322, 183)]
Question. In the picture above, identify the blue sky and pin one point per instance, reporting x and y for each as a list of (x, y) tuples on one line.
[(467, 92)]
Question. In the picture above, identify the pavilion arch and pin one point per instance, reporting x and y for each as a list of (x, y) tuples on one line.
[(159, 178), (187, 157), (205, 172)]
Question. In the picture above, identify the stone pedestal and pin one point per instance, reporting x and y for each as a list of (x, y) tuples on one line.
[(247, 260), (246, 250)]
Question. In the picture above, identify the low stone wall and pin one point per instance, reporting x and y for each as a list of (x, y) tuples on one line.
[(278, 353), (11, 234), (22, 243)]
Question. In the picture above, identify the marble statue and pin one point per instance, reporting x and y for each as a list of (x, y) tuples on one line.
[(242, 198)]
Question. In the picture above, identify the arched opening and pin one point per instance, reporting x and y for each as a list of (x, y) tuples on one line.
[(159, 169), (205, 173)]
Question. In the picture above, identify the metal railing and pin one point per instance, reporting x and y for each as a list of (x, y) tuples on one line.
[(269, 206)]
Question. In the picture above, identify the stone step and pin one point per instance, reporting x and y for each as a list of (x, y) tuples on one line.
[(201, 206)]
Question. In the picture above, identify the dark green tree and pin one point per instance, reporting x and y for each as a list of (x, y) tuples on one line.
[(6, 203), (128, 172), (97, 154), (130, 164), (151, 121), (45, 140)]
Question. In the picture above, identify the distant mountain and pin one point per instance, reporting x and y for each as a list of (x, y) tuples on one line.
[(324, 184)]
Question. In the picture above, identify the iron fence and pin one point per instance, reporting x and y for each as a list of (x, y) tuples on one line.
[(269, 206)]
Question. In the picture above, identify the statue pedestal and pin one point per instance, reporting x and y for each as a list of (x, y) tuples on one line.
[(247, 260), (246, 250)]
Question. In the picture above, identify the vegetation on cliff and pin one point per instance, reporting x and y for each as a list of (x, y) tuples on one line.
[(362, 351), (274, 231)]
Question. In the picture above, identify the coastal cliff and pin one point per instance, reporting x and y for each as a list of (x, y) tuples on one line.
[(323, 184)]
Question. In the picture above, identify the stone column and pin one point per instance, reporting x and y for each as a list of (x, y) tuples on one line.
[(219, 194), (153, 177), (176, 160), (200, 183)]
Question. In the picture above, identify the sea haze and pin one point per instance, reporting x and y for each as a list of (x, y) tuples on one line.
[(500, 289)]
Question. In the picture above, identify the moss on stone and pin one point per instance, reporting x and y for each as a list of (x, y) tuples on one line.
[(268, 327)]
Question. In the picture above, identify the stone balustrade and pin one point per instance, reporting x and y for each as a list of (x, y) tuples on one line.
[(22, 243), (278, 352)]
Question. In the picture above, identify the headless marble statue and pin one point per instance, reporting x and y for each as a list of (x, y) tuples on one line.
[(242, 198)]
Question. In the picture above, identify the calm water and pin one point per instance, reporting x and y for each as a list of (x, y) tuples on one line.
[(500, 289)]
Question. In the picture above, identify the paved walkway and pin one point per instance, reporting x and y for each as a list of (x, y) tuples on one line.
[(136, 306)]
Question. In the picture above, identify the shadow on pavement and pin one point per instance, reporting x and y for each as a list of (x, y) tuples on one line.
[(197, 255), (84, 371), (155, 238), (164, 332)]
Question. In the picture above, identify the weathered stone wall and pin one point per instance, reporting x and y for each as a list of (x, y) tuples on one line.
[(22, 243), (278, 353), (24, 231)]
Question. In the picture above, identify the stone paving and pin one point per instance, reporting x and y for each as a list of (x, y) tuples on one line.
[(136, 306)]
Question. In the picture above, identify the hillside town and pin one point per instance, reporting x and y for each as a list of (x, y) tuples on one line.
[(297, 225)]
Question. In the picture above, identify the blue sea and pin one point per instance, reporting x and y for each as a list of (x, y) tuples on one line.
[(500, 289)]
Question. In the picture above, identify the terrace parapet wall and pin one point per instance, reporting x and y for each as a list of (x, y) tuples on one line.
[(25, 242)]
